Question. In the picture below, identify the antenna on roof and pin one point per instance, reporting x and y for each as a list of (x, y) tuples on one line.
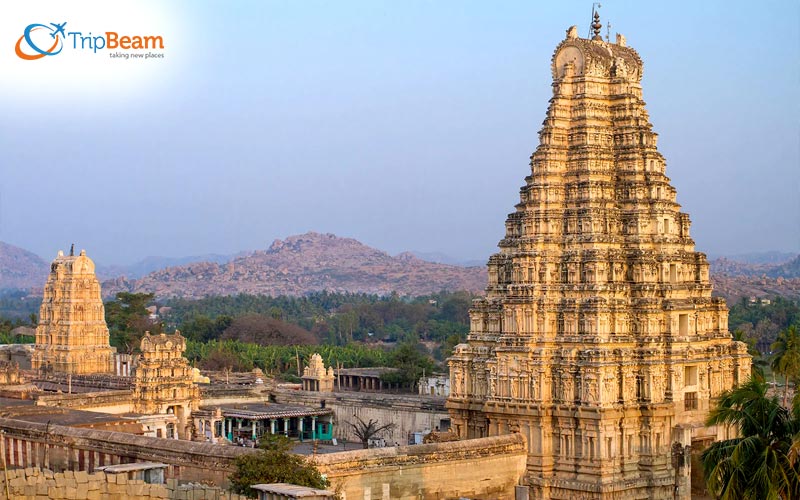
[(608, 32), (72, 250)]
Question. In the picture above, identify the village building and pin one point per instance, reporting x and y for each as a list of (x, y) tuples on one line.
[(598, 339), (434, 385)]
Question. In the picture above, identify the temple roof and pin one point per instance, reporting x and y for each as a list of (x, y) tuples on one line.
[(261, 411)]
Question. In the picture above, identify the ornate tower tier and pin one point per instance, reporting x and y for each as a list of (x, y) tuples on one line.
[(72, 336), (164, 382), (598, 339)]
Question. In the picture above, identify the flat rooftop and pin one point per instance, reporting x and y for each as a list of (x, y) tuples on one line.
[(65, 416), (366, 372), (261, 411)]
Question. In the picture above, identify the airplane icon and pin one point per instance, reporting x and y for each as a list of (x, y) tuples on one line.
[(59, 28)]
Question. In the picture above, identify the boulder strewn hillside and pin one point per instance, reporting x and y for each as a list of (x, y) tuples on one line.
[(21, 269), (306, 263), (733, 279)]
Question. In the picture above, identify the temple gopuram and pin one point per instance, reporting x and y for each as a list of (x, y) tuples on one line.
[(72, 336), (164, 382), (598, 339)]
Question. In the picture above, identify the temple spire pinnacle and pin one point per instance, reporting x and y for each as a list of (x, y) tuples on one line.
[(597, 26)]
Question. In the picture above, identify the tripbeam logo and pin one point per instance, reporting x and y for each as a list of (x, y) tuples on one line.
[(39, 32), (40, 40)]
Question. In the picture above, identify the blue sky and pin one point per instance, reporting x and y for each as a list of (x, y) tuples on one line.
[(407, 125)]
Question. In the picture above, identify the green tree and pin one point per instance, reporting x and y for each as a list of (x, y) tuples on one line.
[(786, 357), (128, 319), (411, 360), (273, 464), (761, 463)]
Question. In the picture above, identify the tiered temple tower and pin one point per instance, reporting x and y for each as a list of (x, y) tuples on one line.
[(598, 339), (316, 377), (164, 382), (72, 336)]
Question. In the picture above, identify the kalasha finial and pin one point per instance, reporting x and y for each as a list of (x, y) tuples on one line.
[(597, 26)]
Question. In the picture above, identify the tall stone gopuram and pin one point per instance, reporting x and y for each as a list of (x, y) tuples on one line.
[(598, 339), (72, 336)]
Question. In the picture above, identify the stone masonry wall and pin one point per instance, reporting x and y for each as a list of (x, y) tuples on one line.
[(409, 413), (486, 468), (115, 402), (29, 444), (42, 484)]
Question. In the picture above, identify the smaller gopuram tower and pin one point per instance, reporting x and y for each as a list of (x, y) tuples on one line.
[(72, 336), (163, 380), (316, 377)]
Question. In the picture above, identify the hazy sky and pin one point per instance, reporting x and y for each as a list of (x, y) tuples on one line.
[(405, 124)]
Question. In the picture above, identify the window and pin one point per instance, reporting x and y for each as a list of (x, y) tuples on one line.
[(154, 476), (673, 273), (683, 324), (690, 375), (639, 387), (690, 401)]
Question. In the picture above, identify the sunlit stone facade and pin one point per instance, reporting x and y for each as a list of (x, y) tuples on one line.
[(164, 381), (72, 336), (598, 339)]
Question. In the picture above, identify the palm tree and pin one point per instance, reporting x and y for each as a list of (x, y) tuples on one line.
[(762, 463), (786, 357)]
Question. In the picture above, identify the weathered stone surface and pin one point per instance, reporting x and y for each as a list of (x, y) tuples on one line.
[(598, 339), (409, 413), (72, 336), (197, 461), (316, 377), (164, 382), (487, 468)]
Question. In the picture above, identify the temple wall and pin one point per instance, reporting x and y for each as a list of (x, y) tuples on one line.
[(114, 402), (62, 448), (231, 397), (486, 468), (409, 413), (33, 483)]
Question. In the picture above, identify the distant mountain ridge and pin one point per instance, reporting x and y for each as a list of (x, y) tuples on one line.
[(310, 262), (787, 267), (306, 263), (154, 263), (442, 258), (21, 269)]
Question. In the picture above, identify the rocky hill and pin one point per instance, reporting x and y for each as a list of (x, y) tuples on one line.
[(733, 279), (21, 269), (312, 262), (306, 263), (154, 263)]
